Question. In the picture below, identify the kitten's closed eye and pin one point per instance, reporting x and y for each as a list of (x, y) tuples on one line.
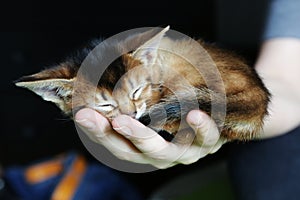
[(136, 94), (106, 107)]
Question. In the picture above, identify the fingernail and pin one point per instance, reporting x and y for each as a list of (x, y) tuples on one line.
[(124, 130), (86, 123)]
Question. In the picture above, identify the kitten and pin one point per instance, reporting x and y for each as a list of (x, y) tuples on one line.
[(169, 64), (158, 84)]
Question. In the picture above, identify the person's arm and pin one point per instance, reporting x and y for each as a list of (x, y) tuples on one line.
[(279, 66)]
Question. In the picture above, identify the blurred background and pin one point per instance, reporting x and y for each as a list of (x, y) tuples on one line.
[(39, 34)]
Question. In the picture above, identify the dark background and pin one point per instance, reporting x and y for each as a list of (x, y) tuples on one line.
[(38, 34)]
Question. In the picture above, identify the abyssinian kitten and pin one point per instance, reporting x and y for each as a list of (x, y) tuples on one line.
[(158, 84)]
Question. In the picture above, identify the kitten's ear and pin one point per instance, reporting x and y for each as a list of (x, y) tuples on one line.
[(147, 53), (56, 90)]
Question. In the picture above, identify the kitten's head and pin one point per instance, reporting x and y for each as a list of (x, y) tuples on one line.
[(131, 92), (139, 87)]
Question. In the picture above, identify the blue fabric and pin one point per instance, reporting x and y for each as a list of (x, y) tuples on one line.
[(283, 19), (15, 177), (98, 183), (268, 169)]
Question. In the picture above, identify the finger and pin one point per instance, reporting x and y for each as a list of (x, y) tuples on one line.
[(93, 122), (207, 137), (94, 125), (218, 145), (147, 141), (196, 152), (207, 133), (143, 137), (99, 130), (192, 154)]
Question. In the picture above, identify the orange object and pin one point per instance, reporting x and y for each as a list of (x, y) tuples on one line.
[(66, 188), (43, 171)]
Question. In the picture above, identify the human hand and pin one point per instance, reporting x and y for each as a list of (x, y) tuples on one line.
[(130, 140)]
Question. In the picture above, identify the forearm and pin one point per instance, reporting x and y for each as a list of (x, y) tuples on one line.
[(279, 67), (280, 59)]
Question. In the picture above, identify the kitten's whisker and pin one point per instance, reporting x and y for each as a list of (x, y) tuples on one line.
[(63, 119)]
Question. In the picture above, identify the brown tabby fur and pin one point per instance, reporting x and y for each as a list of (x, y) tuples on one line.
[(143, 82)]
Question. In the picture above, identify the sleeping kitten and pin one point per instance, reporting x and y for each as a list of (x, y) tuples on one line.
[(169, 64), (158, 84)]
